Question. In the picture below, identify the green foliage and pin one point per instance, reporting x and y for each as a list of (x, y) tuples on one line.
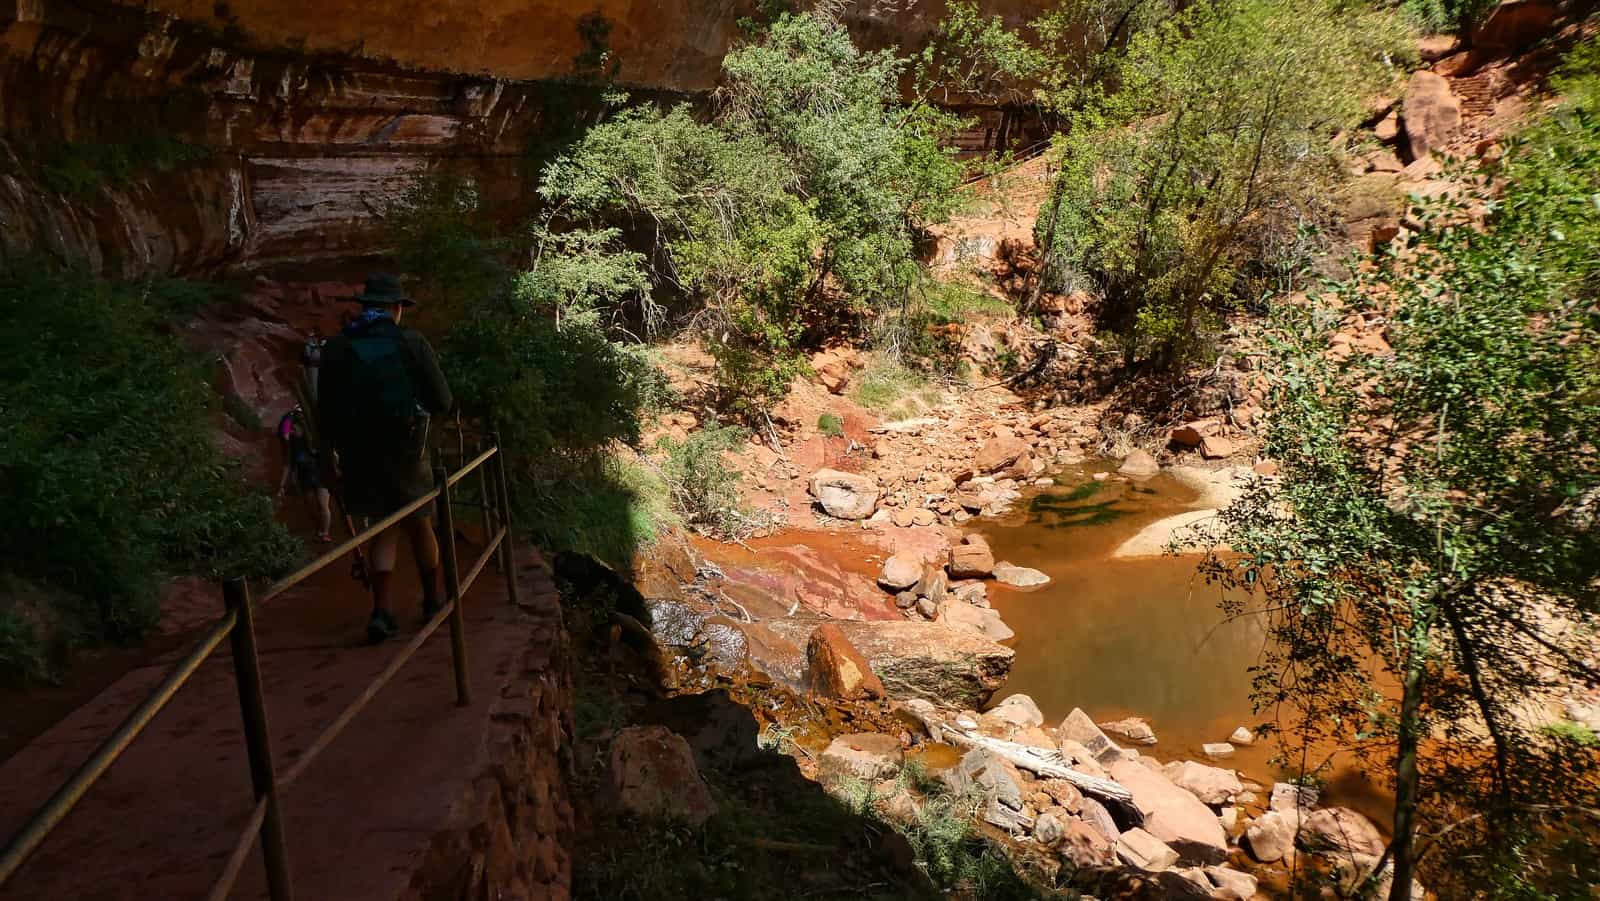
[(831, 425), (562, 397), (886, 384), (445, 243), (1437, 16), (1437, 506), (531, 352), (1216, 140), (705, 489), (579, 273), (1576, 733), (794, 210), (80, 169), (977, 57), (107, 467)]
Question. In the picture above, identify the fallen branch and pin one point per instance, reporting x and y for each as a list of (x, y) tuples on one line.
[(1049, 764)]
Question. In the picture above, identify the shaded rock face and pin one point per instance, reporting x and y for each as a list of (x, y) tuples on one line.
[(287, 155), (311, 115), (677, 44)]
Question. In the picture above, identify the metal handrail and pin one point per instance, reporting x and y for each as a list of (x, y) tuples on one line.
[(237, 625)]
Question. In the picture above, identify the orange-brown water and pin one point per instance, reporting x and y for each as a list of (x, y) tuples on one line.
[(1136, 636)]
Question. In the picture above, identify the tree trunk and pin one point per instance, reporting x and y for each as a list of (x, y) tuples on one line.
[(1406, 780)]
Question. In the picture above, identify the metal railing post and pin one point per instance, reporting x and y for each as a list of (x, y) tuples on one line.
[(508, 552), (258, 741), (452, 583)]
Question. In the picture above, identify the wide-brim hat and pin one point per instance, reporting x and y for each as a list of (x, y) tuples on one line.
[(383, 289)]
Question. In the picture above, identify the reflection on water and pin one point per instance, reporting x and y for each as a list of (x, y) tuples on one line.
[(1122, 637), (1132, 637)]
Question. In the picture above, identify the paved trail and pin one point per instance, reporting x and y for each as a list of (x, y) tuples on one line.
[(163, 820)]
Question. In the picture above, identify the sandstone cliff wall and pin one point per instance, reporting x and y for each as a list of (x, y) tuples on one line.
[(293, 121)]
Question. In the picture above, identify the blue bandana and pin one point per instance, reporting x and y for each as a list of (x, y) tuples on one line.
[(366, 317)]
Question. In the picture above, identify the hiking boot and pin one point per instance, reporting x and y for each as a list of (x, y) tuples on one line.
[(381, 627)]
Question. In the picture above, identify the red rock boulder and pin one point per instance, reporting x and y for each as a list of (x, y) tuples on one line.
[(837, 669)]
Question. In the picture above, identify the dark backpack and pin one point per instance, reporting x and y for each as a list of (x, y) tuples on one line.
[(378, 398)]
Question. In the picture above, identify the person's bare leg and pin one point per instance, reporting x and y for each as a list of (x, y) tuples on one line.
[(425, 551), (381, 555), (324, 513)]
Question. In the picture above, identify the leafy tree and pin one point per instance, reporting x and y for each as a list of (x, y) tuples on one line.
[(1438, 519), (796, 208), (108, 471), (1215, 138), (873, 169)]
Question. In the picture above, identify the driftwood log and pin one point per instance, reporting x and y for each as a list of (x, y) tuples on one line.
[(1052, 765)]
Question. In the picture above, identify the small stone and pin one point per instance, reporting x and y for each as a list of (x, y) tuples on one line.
[(1133, 729), (923, 517), (867, 756), (1340, 829), (1212, 785), (1216, 447), (900, 572), (1018, 710), (844, 495), (1138, 848), (988, 772), (974, 593), (1065, 795), (1050, 829), (1079, 728), (1229, 818), (1086, 847), (1101, 476), (1019, 576), (1289, 797), (652, 773), (1217, 749), (1232, 885), (1270, 837), (933, 585), (1242, 736), (928, 607), (971, 559), (905, 600), (1139, 465)]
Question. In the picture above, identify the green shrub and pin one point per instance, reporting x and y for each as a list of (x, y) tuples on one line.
[(1437, 16), (891, 389), (705, 489), (108, 472), (1214, 144), (830, 425), (785, 218)]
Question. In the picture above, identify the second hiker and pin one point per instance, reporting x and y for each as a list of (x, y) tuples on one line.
[(378, 386)]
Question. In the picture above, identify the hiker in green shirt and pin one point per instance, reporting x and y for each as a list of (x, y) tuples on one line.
[(378, 387)]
